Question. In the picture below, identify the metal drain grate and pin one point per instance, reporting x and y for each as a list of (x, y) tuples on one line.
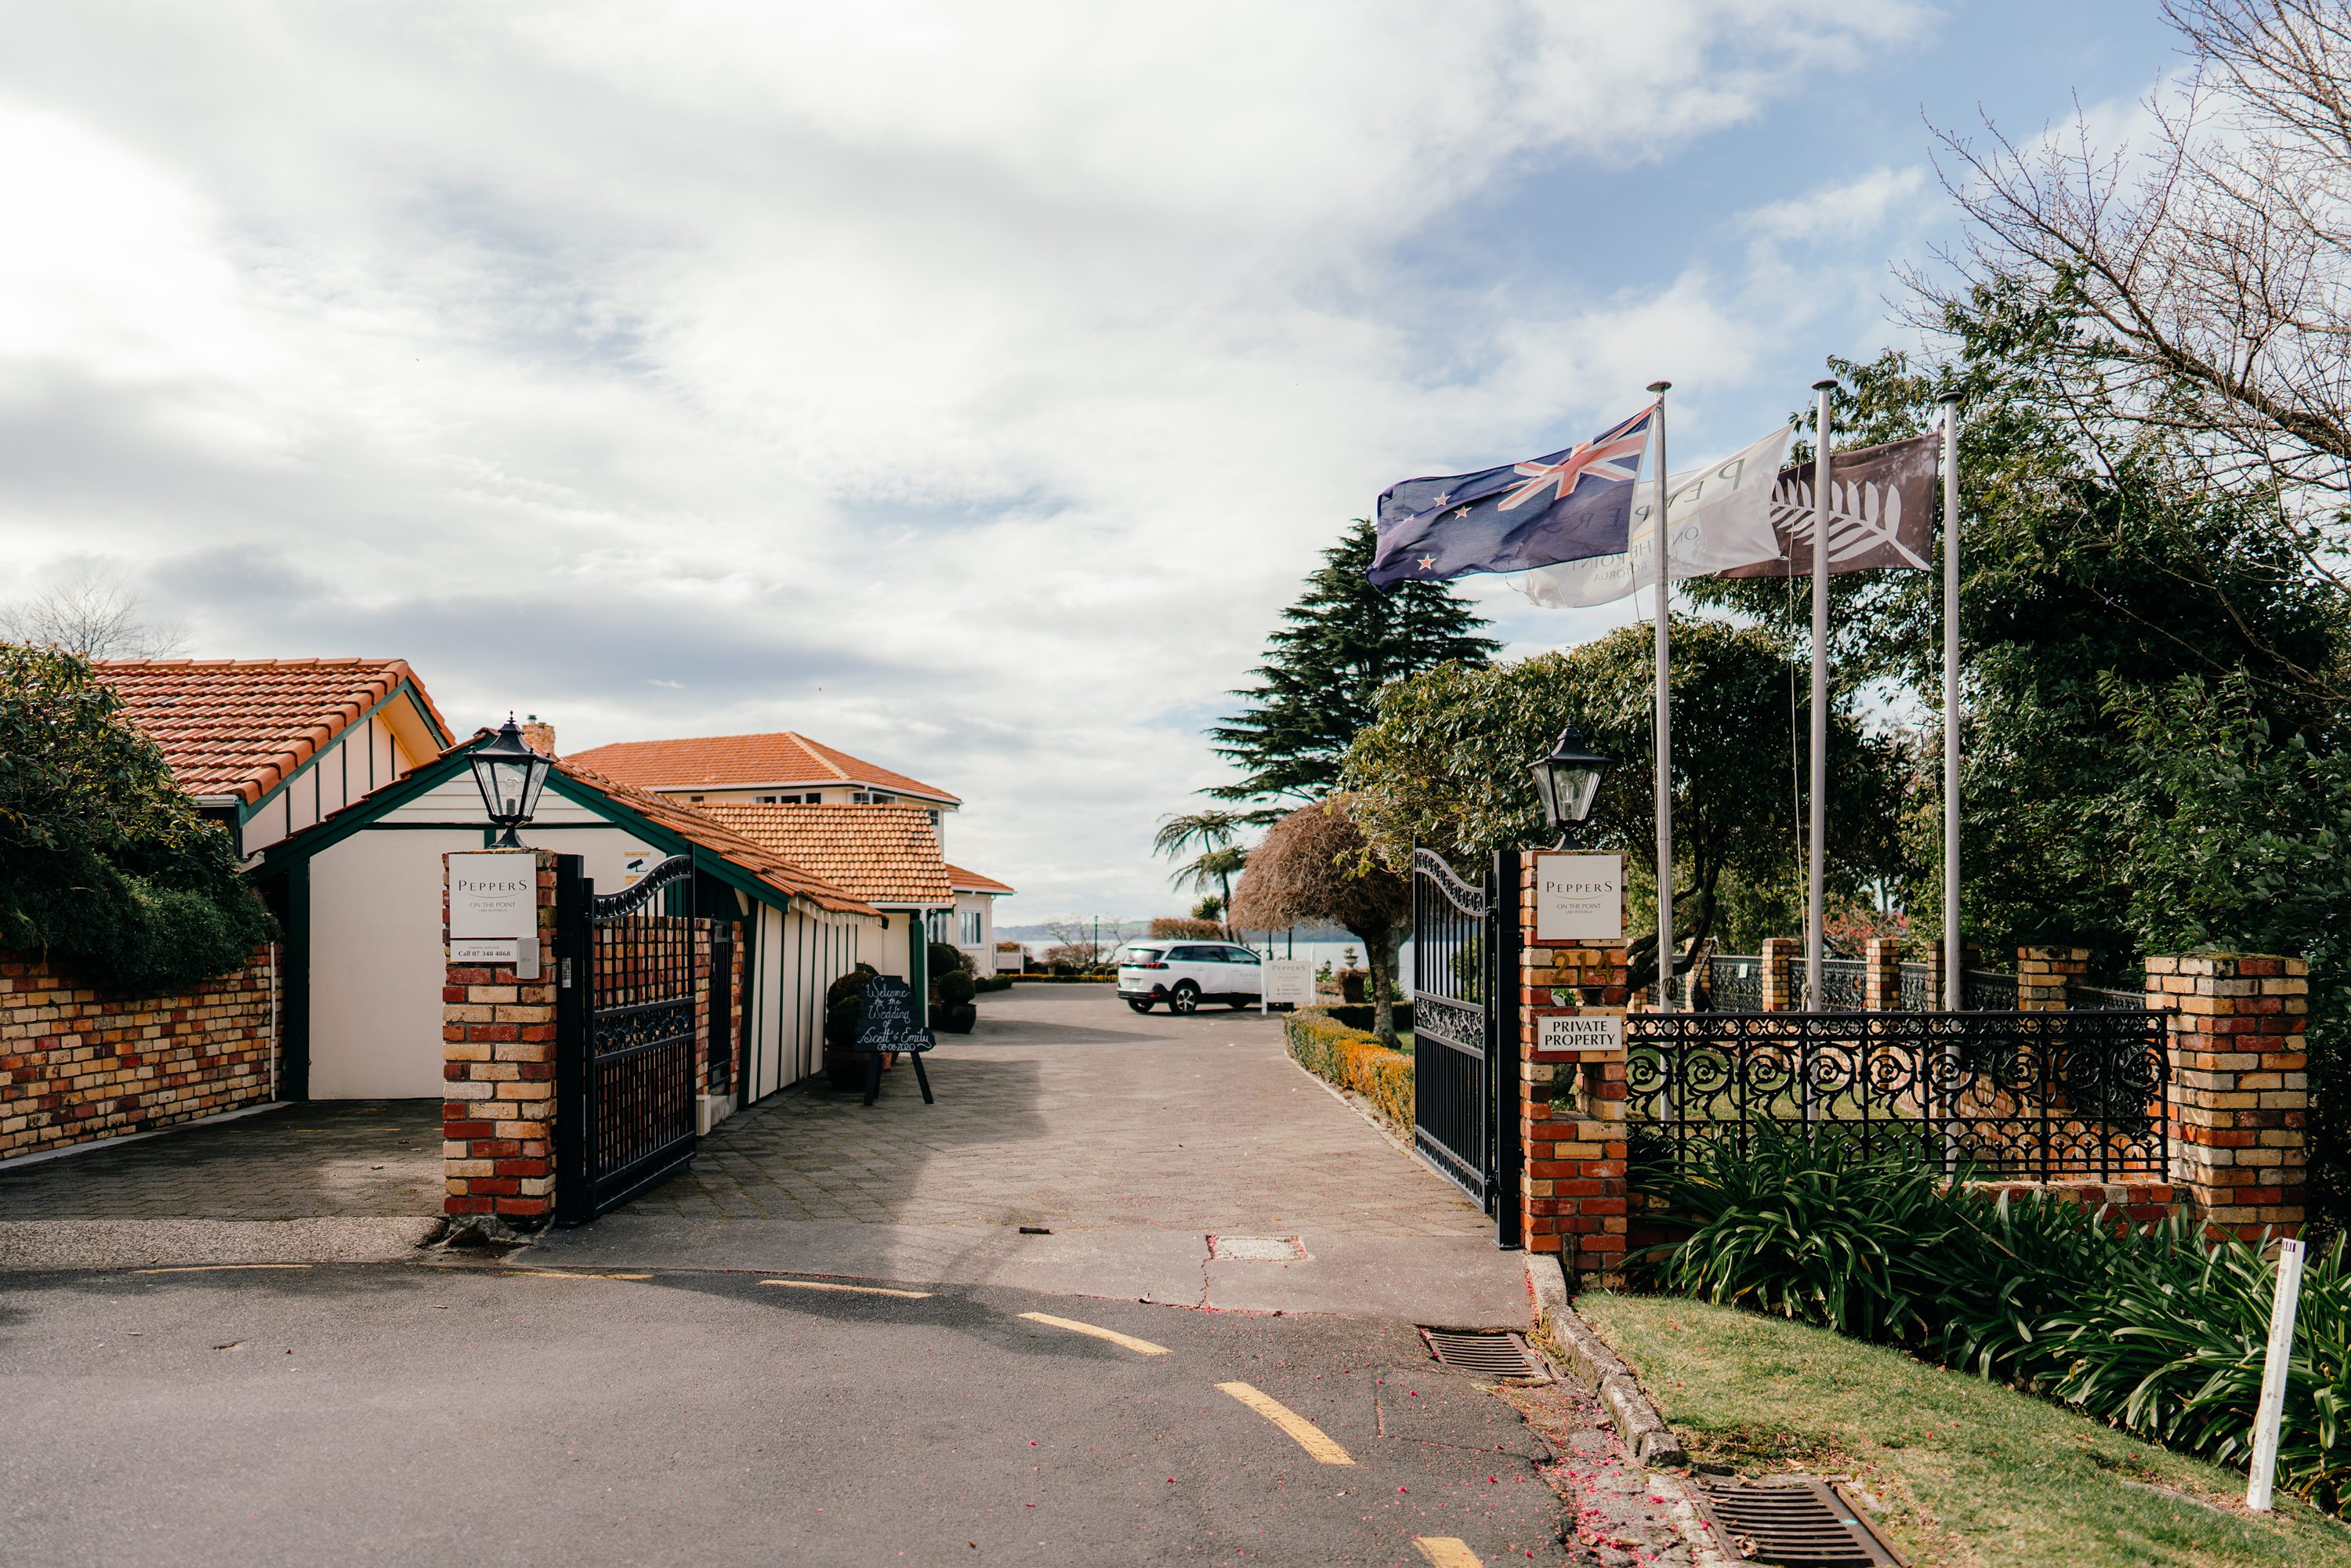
[(1495, 1354), (1798, 1523)]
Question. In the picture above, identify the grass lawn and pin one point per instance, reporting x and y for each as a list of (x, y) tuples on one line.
[(1963, 1471)]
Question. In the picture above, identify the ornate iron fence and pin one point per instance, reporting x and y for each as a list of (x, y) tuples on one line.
[(1465, 1029), (1918, 988), (1844, 985), (1734, 984), (629, 1045), (2044, 1095), (1985, 991), (2090, 998)]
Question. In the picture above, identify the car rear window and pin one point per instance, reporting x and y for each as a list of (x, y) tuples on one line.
[(1141, 955)]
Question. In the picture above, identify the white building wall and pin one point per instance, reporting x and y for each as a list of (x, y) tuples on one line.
[(376, 964)]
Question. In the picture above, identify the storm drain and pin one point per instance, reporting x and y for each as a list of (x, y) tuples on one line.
[(1798, 1521), (1495, 1354)]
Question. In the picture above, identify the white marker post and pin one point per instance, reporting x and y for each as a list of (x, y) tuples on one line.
[(2272, 1410)]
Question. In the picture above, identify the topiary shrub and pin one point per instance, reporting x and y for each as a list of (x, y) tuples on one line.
[(105, 867)]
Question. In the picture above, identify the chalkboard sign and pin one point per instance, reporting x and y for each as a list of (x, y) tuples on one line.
[(891, 1019)]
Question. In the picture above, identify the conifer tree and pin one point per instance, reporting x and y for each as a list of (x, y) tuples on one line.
[(1343, 641)]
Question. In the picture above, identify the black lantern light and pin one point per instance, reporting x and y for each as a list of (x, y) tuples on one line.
[(1568, 779), (509, 775)]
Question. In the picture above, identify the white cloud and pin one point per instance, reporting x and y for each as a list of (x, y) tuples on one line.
[(1020, 358)]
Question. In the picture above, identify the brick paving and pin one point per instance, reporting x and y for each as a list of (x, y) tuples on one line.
[(1065, 1109), (342, 1157), (1061, 1109)]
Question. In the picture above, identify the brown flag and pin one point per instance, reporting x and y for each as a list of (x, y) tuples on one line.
[(1881, 509)]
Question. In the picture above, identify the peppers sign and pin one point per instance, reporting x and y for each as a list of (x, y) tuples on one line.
[(1580, 898), (493, 896)]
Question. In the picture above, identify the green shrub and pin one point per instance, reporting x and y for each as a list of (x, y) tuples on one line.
[(844, 1006), (992, 983), (106, 865), (2160, 1329), (957, 987), (1354, 1060)]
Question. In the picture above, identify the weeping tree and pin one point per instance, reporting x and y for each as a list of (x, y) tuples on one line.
[(1315, 866)]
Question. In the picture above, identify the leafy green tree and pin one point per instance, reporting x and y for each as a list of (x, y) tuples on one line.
[(106, 865), (2235, 836), (1446, 766), (2097, 559), (1342, 640)]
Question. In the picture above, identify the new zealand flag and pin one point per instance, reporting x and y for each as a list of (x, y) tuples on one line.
[(1570, 506)]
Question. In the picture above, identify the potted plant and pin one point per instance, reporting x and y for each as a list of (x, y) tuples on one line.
[(844, 1013)]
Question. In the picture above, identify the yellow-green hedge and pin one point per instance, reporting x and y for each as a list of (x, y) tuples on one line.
[(1352, 1059)]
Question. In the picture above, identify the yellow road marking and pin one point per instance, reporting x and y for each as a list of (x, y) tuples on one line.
[(216, 1268), (1129, 1341), (1446, 1551), (569, 1274), (860, 1290), (1308, 1436)]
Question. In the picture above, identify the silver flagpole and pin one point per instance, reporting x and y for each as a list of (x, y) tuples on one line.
[(1665, 785), (1952, 987), (1817, 882)]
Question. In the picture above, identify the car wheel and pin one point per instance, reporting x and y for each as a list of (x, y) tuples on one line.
[(1184, 998), (1140, 1004)]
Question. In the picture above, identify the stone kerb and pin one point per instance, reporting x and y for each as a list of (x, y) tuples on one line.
[(498, 1061), (1572, 1200), (2240, 1094)]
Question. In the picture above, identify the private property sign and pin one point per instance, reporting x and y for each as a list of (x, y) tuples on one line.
[(494, 910), (1579, 899), (1580, 1035)]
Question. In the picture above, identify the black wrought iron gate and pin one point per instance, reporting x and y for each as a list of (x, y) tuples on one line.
[(1465, 1029), (629, 1044)]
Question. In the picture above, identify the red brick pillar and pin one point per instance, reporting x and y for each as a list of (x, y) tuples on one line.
[(498, 1057), (1782, 981), (1881, 976), (1939, 977), (1572, 1200), (2240, 1097), (2042, 974)]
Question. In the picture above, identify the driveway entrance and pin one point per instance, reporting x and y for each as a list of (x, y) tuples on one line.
[(1079, 1147)]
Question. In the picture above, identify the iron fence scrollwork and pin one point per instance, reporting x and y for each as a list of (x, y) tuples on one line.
[(1465, 1029), (2043, 1096)]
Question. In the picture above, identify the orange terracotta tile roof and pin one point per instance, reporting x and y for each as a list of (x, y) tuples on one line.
[(885, 854), (693, 825), (746, 762), (972, 882), (241, 726)]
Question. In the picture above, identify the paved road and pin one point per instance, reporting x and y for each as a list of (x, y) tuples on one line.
[(1131, 1138), (406, 1414)]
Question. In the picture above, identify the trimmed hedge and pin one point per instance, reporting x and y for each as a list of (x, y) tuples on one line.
[(1110, 979), (1352, 1059), (992, 983)]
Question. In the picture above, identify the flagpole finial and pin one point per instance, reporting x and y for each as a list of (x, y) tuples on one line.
[(1827, 383), (1952, 397), (1661, 386)]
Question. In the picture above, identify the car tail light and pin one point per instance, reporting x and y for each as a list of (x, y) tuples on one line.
[(1146, 965)]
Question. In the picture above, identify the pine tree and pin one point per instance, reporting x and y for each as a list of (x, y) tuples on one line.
[(1323, 671)]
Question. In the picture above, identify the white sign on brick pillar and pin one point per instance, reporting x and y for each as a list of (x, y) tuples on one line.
[(1580, 898), (494, 910)]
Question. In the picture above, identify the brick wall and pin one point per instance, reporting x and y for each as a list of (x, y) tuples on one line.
[(498, 1057), (1573, 1198), (2239, 1101), (79, 1064)]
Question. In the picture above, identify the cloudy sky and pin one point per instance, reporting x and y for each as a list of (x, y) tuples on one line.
[(968, 386)]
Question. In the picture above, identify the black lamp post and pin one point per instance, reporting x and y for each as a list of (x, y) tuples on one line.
[(509, 775), (1568, 779)]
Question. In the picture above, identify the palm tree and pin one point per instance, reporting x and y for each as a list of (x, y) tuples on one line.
[(1220, 858)]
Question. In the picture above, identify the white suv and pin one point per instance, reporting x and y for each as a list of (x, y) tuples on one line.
[(1186, 974)]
